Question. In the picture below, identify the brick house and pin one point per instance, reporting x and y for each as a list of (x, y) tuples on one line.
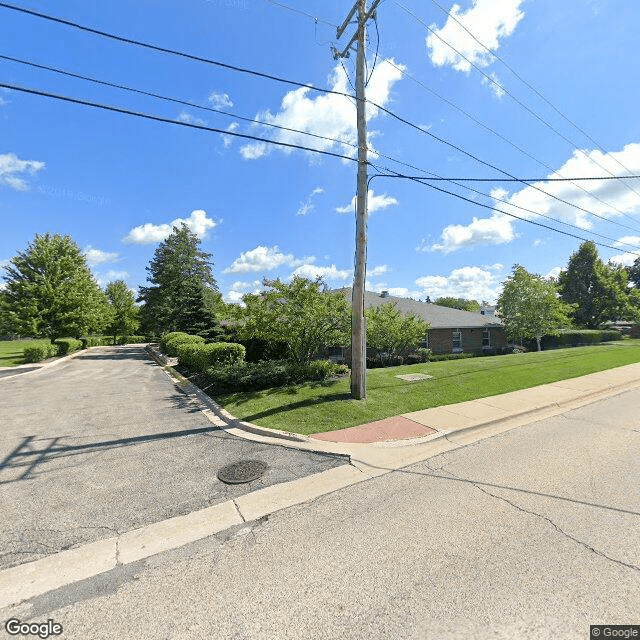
[(451, 330)]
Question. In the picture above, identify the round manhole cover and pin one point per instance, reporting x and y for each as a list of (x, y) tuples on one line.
[(243, 471)]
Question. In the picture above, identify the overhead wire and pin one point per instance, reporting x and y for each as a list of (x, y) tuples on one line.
[(295, 83), (505, 90), (531, 87)]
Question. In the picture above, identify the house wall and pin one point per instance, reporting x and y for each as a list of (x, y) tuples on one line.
[(441, 340)]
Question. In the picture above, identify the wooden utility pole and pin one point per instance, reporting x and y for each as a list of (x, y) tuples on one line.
[(358, 325)]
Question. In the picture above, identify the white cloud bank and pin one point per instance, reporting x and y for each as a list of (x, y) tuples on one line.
[(148, 233), (489, 21), (628, 258), (475, 283), (331, 273), (375, 203), (497, 229), (96, 256), (327, 115), (13, 171), (265, 259)]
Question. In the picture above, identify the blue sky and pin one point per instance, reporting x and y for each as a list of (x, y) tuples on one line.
[(116, 183)]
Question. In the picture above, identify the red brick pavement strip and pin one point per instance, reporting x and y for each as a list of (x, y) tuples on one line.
[(395, 428)]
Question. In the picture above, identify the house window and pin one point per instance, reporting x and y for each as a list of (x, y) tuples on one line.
[(457, 340), (486, 339), (425, 343)]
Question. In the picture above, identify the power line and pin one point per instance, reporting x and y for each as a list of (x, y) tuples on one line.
[(149, 116), (304, 13), (478, 122), (512, 215), (505, 90), (294, 83), (174, 100), (511, 204), (531, 87)]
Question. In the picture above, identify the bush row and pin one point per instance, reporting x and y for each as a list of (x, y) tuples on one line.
[(577, 337), (170, 345), (253, 376), (40, 352), (200, 357), (65, 346)]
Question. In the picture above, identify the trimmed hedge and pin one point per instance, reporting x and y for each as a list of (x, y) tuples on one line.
[(579, 337), (68, 345), (40, 352), (253, 376), (171, 345), (451, 356), (201, 357), (170, 336)]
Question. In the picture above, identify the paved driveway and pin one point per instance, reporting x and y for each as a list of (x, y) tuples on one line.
[(105, 443)]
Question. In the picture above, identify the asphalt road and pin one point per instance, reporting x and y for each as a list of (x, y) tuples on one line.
[(532, 534), (105, 443)]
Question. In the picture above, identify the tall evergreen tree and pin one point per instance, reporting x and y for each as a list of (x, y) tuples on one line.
[(51, 293), (182, 289), (599, 290)]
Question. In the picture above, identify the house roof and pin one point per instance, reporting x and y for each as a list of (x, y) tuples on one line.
[(437, 316)]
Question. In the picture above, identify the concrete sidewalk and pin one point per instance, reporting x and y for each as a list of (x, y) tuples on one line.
[(430, 423)]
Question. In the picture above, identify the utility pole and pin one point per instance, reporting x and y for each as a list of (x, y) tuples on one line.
[(358, 325)]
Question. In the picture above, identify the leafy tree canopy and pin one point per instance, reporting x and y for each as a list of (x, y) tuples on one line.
[(458, 303), (599, 291), (388, 331), (51, 293), (183, 293), (301, 314), (124, 313), (530, 307)]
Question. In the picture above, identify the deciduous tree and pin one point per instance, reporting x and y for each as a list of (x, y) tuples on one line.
[(459, 303), (301, 314), (124, 313), (530, 307), (388, 331), (50, 291)]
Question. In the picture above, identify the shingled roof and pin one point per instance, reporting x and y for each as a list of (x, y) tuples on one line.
[(437, 316)]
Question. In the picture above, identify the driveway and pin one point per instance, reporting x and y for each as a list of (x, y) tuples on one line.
[(105, 443)]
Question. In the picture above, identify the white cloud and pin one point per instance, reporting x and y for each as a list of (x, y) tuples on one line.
[(104, 279), (264, 259), (189, 119), (488, 20), (220, 100), (377, 271), (234, 296), (148, 233), (473, 283), (227, 140), (306, 206), (13, 170), (327, 115), (239, 288), (375, 203), (629, 257), (96, 256), (613, 193), (498, 229), (494, 83), (554, 273), (400, 292), (313, 271)]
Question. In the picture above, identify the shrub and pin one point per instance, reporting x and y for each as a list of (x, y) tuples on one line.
[(186, 353), (68, 345), (169, 336), (171, 348), (413, 358), (40, 352), (395, 361), (216, 354), (580, 337), (131, 339), (425, 354), (450, 356), (253, 376)]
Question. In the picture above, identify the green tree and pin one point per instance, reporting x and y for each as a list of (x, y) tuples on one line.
[(183, 291), (51, 293), (530, 307), (599, 291), (388, 331), (124, 313), (633, 273), (301, 314), (459, 303)]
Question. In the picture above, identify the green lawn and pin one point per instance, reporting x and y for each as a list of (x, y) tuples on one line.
[(11, 351), (316, 407)]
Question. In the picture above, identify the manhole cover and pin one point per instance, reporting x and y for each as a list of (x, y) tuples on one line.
[(243, 471)]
